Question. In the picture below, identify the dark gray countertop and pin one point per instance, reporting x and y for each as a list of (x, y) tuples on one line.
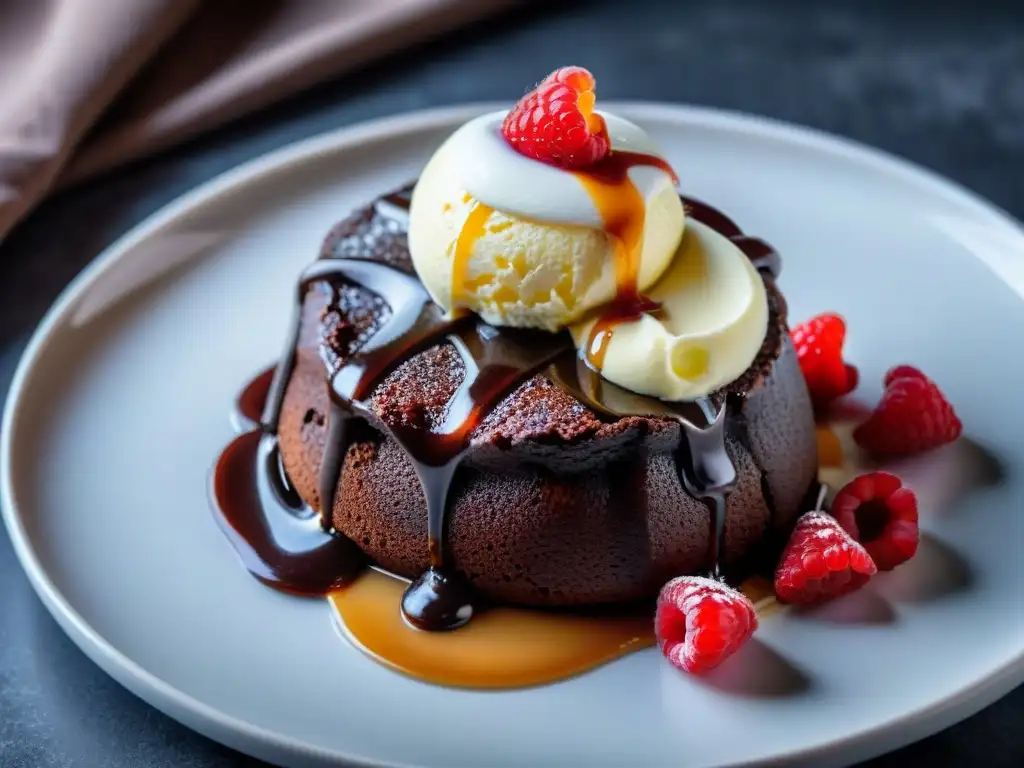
[(939, 82)]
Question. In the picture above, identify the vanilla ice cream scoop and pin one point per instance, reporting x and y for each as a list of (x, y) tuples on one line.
[(710, 328), (526, 244)]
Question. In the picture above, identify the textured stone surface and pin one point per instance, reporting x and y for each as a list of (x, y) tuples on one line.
[(939, 82)]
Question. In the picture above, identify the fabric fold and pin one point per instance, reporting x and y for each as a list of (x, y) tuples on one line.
[(62, 64), (90, 85)]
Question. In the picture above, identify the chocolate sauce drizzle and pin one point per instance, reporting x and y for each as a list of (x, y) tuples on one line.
[(291, 547), (495, 363)]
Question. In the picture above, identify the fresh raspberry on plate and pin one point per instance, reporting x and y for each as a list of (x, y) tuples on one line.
[(555, 123), (819, 348), (821, 562), (912, 416), (881, 514), (700, 622)]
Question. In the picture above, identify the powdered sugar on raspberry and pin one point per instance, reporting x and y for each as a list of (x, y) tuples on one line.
[(700, 622), (821, 561)]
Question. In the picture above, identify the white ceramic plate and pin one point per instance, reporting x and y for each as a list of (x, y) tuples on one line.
[(120, 407)]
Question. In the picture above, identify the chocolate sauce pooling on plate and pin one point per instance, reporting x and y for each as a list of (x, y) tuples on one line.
[(291, 547)]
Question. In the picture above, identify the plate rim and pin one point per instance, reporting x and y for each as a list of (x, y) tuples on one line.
[(243, 735)]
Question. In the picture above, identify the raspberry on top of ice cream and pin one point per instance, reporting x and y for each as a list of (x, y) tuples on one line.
[(557, 216), (556, 122)]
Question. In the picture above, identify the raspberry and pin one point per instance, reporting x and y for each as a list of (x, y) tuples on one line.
[(819, 348), (820, 562), (555, 122), (912, 416), (902, 372), (700, 622), (881, 514)]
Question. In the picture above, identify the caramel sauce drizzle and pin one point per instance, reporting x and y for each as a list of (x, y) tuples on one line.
[(473, 228), (623, 210)]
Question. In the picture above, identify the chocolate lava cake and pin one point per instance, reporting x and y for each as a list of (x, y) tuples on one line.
[(554, 504)]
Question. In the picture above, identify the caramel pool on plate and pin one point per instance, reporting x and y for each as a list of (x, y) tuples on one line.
[(501, 648)]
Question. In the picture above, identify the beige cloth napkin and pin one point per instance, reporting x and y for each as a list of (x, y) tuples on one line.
[(88, 84)]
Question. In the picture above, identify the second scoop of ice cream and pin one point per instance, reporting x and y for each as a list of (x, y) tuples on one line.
[(710, 328)]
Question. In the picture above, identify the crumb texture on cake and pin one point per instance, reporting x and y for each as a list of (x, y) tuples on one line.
[(552, 505)]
